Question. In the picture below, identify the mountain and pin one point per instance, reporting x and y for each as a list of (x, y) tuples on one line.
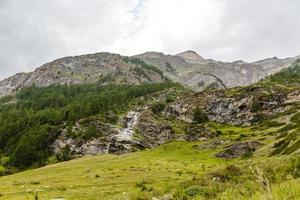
[(187, 68), (153, 141), (192, 70), (101, 67)]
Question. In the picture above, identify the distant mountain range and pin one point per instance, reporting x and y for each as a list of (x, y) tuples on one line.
[(187, 68)]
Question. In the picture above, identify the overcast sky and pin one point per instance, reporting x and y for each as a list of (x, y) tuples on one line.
[(33, 32)]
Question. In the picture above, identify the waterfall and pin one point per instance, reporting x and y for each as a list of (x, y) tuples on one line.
[(126, 133)]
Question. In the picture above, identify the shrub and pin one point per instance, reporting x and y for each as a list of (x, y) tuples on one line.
[(193, 191), (170, 98), (158, 107), (256, 105), (65, 154), (90, 133), (33, 147), (199, 116)]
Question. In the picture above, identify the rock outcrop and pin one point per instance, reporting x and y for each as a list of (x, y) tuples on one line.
[(239, 149), (151, 132), (80, 145), (248, 106)]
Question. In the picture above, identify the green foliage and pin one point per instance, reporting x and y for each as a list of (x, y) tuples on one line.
[(141, 72), (158, 107), (105, 79), (199, 116), (65, 154), (282, 146), (6, 99), (212, 86), (193, 191), (259, 117), (170, 98), (144, 65), (294, 147), (33, 146), (36, 196), (288, 76), (32, 123), (287, 127), (90, 133), (270, 123), (256, 105), (296, 118)]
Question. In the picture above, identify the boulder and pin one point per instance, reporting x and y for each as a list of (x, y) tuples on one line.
[(239, 149)]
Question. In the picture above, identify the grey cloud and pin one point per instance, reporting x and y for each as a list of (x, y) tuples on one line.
[(33, 32), (257, 29)]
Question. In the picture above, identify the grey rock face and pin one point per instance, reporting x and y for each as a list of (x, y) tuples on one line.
[(192, 70), (151, 132), (245, 108), (230, 110), (111, 140), (78, 146), (102, 67)]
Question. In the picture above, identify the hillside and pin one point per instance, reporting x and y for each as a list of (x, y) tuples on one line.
[(170, 143), (177, 170), (193, 71), (289, 76), (36, 117), (105, 68), (187, 68), (148, 140)]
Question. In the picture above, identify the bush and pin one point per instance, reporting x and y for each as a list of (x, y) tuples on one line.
[(33, 146), (199, 116), (193, 191), (90, 133), (65, 154), (158, 107), (256, 105)]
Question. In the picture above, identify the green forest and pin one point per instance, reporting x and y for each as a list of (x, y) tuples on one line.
[(32, 120)]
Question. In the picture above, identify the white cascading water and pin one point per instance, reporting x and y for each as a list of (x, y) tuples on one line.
[(126, 133)]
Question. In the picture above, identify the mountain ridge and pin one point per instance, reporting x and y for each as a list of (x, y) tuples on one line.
[(188, 68)]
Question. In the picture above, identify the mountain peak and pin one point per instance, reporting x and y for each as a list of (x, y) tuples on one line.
[(151, 54), (190, 55)]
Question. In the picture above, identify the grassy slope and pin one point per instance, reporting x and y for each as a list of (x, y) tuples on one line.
[(159, 170), (164, 170), (145, 174)]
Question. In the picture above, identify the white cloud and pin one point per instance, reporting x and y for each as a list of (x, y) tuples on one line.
[(33, 32)]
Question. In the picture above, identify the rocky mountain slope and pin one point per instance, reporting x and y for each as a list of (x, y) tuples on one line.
[(102, 67), (187, 68), (236, 143), (192, 70)]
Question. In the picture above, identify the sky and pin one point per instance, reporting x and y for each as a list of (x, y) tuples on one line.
[(33, 32)]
